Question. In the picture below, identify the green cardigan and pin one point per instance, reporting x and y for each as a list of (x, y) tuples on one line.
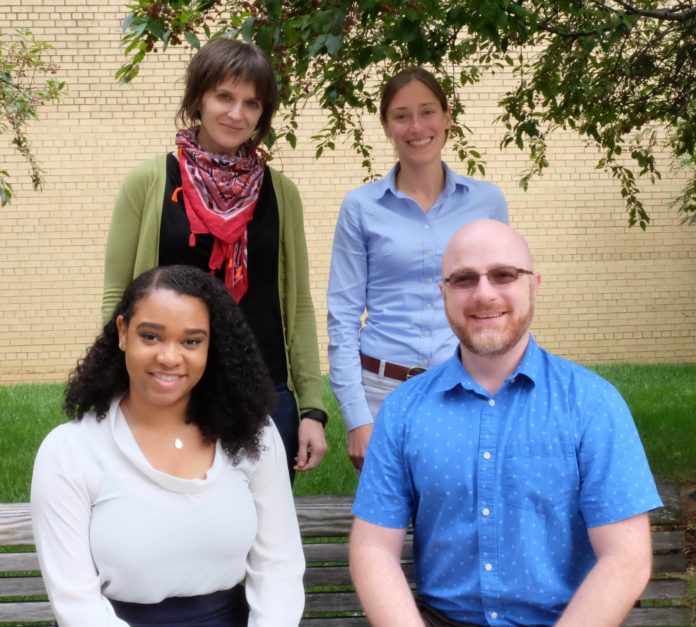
[(132, 247)]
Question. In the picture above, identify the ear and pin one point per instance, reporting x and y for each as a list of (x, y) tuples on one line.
[(122, 328), (536, 283), (448, 117)]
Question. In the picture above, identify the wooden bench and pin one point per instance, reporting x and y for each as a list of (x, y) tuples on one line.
[(330, 602)]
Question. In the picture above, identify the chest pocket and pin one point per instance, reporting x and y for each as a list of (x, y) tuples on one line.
[(541, 477)]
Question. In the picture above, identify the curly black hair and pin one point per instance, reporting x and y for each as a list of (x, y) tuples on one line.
[(234, 397)]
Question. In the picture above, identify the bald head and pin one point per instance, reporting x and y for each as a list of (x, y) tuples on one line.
[(483, 244)]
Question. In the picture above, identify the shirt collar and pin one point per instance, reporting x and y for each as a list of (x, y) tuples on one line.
[(388, 183), (454, 373)]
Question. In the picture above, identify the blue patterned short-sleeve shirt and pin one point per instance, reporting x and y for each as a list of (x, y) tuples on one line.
[(502, 488)]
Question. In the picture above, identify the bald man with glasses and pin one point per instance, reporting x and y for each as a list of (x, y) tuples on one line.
[(522, 473)]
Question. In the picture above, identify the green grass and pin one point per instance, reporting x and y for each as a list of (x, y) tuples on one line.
[(661, 397), (335, 475), (27, 414)]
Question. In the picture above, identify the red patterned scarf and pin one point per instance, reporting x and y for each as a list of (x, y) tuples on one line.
[(220, 194)]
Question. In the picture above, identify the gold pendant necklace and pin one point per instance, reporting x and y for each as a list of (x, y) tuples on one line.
[(178, 442)]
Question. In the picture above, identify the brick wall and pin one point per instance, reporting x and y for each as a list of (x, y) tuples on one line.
[(609, 293)]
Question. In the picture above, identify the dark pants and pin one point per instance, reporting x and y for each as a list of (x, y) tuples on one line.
[(287, 420), (433, 618), (227, 608)]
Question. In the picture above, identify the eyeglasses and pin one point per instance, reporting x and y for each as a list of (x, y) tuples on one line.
[(468, 279)]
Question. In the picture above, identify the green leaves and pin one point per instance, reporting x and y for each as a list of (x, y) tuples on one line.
[(25, 85), (604, 70)]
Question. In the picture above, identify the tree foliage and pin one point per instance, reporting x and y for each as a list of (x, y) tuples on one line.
[(25, 84), (620, 73)]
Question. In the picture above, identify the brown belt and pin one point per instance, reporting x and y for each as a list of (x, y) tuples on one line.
[(393, 371)]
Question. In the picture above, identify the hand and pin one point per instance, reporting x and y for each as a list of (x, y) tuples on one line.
[(357, 444), (312, 445)]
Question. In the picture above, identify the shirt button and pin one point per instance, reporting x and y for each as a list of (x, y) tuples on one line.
[(426, 227), (488, 567), (428, 305), (491, 402), (485, 511), (426, 333), (494, 615), (486, 455), (429, 253), (430, 279)]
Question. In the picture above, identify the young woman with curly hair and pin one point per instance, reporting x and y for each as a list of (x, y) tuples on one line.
[(167, 491)]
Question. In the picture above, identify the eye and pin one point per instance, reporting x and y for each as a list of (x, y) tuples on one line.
[(504, 275), (192, 341), (253, 104), (149, 337), (464, 280)]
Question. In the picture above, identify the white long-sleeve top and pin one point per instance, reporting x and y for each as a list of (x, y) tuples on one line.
[(108, 525)]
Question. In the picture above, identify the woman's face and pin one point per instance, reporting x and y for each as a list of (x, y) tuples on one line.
[(166, 348), (416, 124), (229, 115)]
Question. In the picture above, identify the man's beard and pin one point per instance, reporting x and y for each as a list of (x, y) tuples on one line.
[(495, 341)]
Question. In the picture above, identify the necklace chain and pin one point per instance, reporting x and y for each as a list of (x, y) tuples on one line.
[(177, 442)]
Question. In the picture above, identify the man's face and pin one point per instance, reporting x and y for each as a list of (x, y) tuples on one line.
[(492, 317), (491, 320)]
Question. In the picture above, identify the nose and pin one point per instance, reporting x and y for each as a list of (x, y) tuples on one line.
[(484, 290), (169, 355), (235, 111)]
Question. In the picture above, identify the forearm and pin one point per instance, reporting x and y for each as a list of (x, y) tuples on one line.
[(624, 564), (379, 580), (605, 597)]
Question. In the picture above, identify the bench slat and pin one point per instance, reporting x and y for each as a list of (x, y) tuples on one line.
[(326, 552), (667, 540), (15, 524), (29, 611), (347, 621), (658, 616), (338, 575), (669, 563), (21, 587), (665, 589), (332, 602), (324, 515), (18, 562)]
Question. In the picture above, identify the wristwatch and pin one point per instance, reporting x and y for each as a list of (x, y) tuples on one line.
[(315, 414)]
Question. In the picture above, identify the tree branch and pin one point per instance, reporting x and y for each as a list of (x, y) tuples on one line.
[(671, 14)]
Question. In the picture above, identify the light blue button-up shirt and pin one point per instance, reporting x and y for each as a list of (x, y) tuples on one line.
[(501, 489), (387, 258)]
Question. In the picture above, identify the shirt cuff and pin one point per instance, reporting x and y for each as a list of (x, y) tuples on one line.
[(356, 414)]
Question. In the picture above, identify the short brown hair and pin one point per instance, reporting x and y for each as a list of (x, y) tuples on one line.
[(403, 78), (219, 60)]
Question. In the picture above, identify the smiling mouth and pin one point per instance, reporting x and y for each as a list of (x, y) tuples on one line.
[(167, 378), (489, 316), (420, 142)]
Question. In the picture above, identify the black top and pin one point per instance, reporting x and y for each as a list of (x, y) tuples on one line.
[(261, 304)]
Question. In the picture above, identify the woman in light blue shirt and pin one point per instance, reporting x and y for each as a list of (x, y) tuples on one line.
[(387, 253)]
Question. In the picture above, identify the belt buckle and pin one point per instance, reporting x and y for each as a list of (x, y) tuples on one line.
[(413, 371)]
